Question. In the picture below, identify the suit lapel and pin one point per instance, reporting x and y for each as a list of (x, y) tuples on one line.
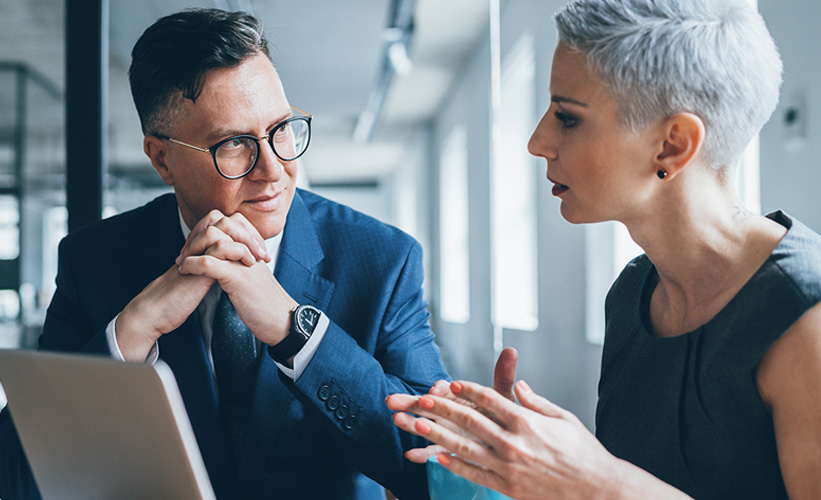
[(184, 351), (299, 253), (298, 257)]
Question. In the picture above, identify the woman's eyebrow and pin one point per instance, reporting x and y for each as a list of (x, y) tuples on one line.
[(560, 99)]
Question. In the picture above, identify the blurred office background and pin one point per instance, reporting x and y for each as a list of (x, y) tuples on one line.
[(423, 109)]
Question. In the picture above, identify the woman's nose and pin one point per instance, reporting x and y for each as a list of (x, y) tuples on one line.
[(540, 143)]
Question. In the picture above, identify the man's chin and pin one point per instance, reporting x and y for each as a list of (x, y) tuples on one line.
[(269, 228)]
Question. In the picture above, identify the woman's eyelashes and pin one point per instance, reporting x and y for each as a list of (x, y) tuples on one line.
[(567, 120)]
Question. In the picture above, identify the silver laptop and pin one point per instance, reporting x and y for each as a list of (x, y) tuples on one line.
[(95, 428)]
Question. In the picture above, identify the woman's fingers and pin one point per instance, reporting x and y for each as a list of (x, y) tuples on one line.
[(421, 455), (453, 421), (487, 422), (504, 374), (496, 406), (402, 402), (462, 444), (440, 388), (417, 455), (473, 472), (533, 401)]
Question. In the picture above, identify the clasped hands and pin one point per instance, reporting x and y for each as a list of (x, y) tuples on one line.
[(536, 450), (226, 249)]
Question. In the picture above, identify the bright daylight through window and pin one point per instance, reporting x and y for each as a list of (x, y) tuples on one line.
[(515, 266)]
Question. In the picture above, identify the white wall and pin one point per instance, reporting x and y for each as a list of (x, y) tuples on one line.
[(790, 169)]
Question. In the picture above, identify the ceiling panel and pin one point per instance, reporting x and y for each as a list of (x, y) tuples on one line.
[(329, 55)]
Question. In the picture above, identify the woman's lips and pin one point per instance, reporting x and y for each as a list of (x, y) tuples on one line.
[(558, 189)]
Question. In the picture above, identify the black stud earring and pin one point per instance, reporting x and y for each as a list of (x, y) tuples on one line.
[(662, 173)]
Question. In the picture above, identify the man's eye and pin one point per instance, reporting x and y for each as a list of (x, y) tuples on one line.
[(234, 143), (282, 133), (568, 121)]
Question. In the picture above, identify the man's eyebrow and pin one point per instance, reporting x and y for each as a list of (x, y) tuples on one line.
[(559, 99), (221, 134)]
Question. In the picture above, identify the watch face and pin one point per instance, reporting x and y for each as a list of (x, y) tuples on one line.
[(308, 318)]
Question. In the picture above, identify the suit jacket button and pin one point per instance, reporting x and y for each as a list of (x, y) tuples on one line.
[(350, 422), (342, 412), (332, 403), (324, 392)]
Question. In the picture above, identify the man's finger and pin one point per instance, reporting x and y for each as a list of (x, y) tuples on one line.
[(240, 229), (210, 219), (206, 265)]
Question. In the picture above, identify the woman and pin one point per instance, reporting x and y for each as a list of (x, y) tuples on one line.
[(711, 372)]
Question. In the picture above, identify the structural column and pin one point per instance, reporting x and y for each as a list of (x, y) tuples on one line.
[(86, 109)]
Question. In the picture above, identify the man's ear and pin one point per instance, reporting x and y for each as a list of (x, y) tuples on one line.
[(683, 136), (156, 148)]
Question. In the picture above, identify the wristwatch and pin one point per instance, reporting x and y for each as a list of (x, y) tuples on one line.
[(304, 319)]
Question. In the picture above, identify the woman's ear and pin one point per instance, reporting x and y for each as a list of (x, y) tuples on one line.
[(683, 136), (156, 148)]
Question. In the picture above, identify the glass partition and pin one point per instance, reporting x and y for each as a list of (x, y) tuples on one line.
[(32, 184)]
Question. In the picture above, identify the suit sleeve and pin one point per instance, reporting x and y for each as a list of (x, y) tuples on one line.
[(68, 326), (348, 385)]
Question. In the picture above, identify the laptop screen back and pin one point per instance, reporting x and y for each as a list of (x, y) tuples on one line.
[(95, 428)]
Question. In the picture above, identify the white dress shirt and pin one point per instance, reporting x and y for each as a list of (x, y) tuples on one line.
[(206, 312)]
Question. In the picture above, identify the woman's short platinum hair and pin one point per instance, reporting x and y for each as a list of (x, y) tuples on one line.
[(712, 58)]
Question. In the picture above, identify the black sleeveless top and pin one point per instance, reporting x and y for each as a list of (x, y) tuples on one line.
[(687, 408)]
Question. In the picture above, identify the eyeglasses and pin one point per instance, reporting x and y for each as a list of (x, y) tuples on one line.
[(236, 156)]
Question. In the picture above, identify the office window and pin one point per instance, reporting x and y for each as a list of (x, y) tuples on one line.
[(513, 190), (453, 225), (9, 228), (56, 228)]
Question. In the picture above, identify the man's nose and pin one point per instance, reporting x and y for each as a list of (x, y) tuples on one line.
[(269, 167)]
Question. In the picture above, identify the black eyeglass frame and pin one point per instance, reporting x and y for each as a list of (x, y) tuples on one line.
[(270, 139)]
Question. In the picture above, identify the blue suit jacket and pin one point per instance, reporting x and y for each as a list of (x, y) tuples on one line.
[(312, 438)]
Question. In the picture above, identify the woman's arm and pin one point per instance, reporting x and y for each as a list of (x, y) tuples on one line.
[(789, 381), (534, 451)]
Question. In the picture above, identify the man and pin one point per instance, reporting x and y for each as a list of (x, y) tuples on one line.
[(293, 408)]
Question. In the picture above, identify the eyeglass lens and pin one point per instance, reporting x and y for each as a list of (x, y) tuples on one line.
[(238, 155)]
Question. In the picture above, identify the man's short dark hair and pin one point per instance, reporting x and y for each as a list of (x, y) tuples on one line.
[(174, 55)]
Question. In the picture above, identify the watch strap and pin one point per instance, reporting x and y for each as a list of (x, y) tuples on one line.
[(291, 344)]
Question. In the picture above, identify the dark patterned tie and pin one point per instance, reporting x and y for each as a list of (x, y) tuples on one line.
[(233, 347)]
